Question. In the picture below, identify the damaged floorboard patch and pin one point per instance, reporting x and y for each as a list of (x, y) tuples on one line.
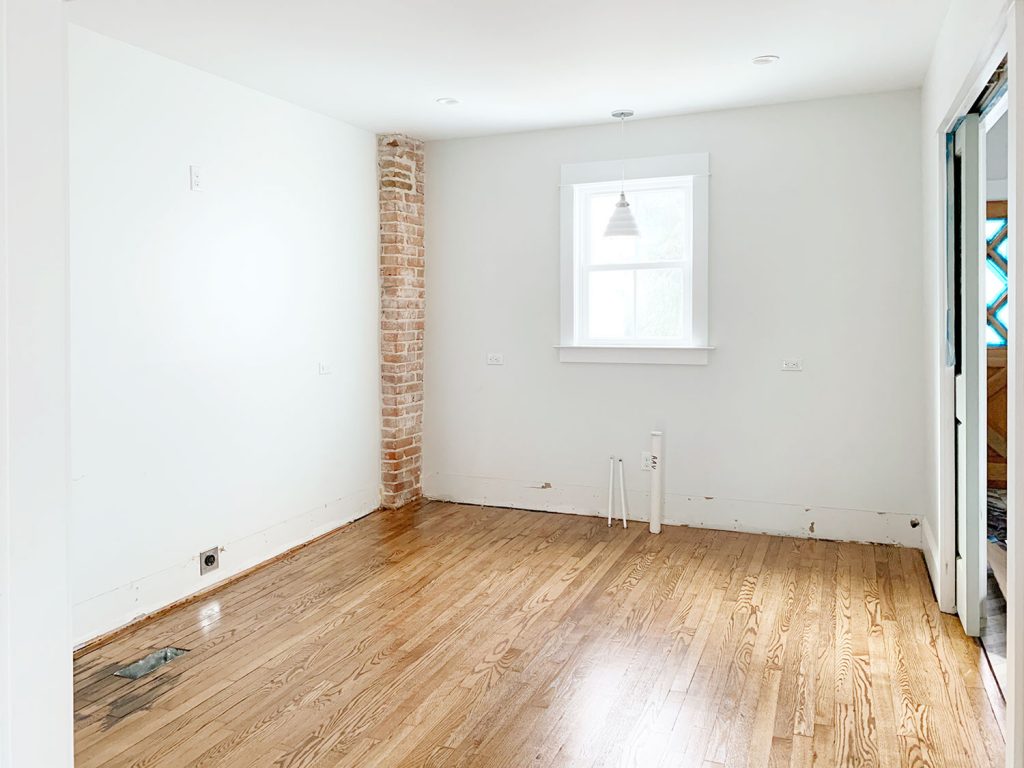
[(147, 664)]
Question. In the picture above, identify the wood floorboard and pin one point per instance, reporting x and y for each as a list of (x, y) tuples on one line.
[(451, 635)]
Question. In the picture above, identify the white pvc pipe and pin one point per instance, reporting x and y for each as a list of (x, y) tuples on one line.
[(622, 493), (611, 488), (656, 492)]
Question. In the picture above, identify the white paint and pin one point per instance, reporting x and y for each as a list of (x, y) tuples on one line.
[(652, 463), (1015, 395), (997, 159), (576, 353), (963, 58), (532, 63), (611, 489), (971, 403), (201, 410), (814, 226), (35, 626), (622, 493)]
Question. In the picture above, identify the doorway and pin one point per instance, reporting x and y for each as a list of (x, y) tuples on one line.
[(978, 336), (996, 298)]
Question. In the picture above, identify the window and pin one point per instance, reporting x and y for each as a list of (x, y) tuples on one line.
[(640, 299), (996, 270)]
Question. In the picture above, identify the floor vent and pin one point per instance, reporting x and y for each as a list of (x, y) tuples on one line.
[(147, 664)]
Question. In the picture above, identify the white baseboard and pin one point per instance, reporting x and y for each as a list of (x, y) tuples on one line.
[(696, 511), (942, 587), (931, 551), (111, 610)]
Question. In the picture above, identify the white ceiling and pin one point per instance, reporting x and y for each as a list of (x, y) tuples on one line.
[(380, 64)]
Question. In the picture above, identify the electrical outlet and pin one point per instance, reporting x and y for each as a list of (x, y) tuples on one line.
[(209, 561), (323, 369), (495, 358), (792, 365), (648, 461), (195, 180)]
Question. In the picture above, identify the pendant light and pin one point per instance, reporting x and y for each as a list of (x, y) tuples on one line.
[(622, 223)]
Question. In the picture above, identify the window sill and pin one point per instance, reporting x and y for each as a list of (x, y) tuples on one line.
[(634, 355)]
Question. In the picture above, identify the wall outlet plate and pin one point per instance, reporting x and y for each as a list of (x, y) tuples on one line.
[(209, 561), (495, 358), (648, 461), (792, 365)]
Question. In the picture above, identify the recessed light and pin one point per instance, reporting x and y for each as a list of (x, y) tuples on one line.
[(448, 101), (770, 58)]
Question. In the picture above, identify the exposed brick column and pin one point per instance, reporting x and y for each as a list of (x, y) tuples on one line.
[(400, 184)]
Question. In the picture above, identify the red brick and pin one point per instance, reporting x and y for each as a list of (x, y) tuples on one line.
[(403, 304)]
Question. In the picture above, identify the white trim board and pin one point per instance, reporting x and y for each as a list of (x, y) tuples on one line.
[(36, 686), (931, 549), (641, 355), (780, 519), (1015, 414)]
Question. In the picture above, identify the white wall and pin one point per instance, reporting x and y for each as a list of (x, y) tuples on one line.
[(815, 236), (961, 54), (198, 319), (35, 626), (997, 159)]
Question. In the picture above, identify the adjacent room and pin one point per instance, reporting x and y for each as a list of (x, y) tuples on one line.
[(997, 304), (491, 384)]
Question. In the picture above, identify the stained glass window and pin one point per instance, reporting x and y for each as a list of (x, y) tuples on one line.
[(992, 227), (996, 283), (1002, 315)]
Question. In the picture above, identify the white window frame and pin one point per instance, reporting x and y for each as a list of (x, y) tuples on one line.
[(579, 181)]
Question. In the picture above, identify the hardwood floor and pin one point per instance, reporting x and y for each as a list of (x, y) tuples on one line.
[(455, 635)]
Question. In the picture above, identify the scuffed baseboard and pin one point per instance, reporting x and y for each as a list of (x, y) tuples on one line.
[(943, 589), (696, 511), (102, 616)]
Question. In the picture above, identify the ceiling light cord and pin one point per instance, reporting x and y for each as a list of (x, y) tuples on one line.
[(622, 151)]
